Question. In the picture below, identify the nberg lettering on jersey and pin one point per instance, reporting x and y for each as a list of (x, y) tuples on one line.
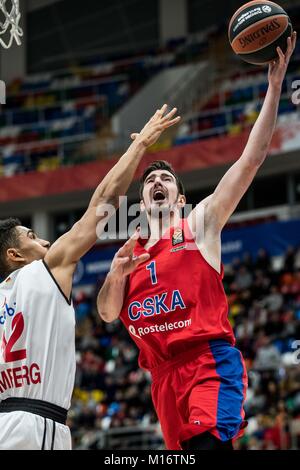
[(156, 305), (18, 376)]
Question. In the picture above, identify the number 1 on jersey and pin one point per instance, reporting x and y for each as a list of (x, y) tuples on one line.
[(152, 268)]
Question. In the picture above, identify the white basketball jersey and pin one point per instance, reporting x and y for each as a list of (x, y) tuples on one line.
[(37, 337)]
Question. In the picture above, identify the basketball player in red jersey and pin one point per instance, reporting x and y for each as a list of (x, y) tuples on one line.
[(168, 292)]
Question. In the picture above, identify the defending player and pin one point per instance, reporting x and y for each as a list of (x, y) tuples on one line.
[(174, 305), (37, 320)]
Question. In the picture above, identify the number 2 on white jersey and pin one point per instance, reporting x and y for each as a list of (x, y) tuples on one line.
[(7, 345)]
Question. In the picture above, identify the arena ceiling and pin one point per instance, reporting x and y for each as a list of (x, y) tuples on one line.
[(60, 32), (63, 31), (32, 5)]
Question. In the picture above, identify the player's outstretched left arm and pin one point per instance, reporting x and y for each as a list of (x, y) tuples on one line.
[(238, 178)]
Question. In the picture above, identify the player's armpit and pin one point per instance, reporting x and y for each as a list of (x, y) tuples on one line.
[(64, 254), (229, 192), (196, 218), (63, 277), (206, 235)]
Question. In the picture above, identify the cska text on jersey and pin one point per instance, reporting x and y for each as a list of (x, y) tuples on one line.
[(162, 303)]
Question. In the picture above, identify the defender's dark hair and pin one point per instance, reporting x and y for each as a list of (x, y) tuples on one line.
[(160, 165), (9, 238)]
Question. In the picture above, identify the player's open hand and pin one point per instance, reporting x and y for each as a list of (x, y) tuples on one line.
[(124, 262), (277, 68), (156, 125)]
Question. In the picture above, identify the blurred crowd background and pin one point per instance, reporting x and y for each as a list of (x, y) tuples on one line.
[(83, 79)]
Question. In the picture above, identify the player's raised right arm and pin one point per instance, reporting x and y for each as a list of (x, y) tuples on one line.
[(111, 296)]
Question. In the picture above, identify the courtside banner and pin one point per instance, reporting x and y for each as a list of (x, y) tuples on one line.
[(215, 151), (275, 237), (94, 266)]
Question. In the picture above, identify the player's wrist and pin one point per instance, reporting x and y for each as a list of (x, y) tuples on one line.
[(140, 142), (275, 88), (145, 139), (116, 277)]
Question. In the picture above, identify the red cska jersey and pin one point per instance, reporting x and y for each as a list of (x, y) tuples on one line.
[(175, 301)]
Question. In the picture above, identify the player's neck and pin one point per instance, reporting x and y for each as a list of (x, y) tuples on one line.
[(159, 226)]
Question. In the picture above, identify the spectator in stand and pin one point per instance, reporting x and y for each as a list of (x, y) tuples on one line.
[(261, 284), (248, 261), (268, 356), (274, 301), (289, 263), (243, 279), (263, 261)]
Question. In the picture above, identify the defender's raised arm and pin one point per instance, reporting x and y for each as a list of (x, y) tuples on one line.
[(68, 249)]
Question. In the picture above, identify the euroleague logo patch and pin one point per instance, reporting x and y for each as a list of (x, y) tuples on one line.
[(178, 237), (266, 9)]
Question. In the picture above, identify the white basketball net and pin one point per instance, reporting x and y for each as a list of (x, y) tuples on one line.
[(12, 15)]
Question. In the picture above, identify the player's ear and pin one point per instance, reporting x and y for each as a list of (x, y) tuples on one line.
[(181, 200), (142, 206), (15, 256)]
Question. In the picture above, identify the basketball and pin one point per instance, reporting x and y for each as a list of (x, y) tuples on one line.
[(257, 29)]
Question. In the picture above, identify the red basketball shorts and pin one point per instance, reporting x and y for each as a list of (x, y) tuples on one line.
[(201, 390)]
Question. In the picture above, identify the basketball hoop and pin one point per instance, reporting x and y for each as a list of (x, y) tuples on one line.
[(11, 11)]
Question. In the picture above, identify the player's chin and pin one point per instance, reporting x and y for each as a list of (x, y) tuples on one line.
[(160, 206)]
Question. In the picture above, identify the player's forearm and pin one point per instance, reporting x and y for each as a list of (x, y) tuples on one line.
[(238, 178), (111, 297), (261, 135), (117, 181)]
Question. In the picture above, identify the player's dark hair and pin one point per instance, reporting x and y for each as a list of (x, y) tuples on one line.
[(160, 165), (9, 238)]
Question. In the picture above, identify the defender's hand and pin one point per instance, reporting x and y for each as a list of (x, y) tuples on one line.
[(156, 125)]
